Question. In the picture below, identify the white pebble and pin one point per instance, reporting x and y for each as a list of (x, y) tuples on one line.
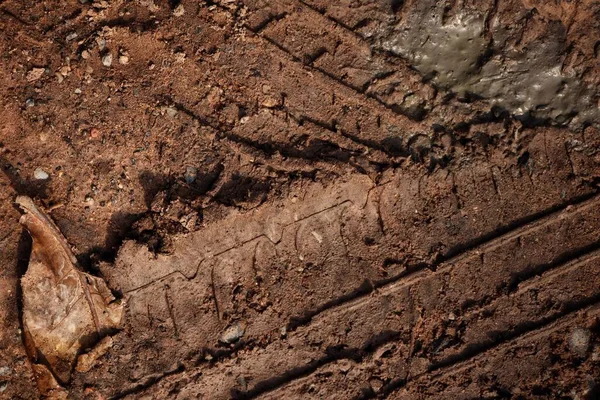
[(107, 60), (171, 111), (40, 174), (579, 342)]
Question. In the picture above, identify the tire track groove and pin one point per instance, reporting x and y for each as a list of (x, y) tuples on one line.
[(418, 271), (524, 332)]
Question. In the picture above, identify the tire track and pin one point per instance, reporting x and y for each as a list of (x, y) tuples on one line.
[(331, 318), (526, 334), (420, 271)]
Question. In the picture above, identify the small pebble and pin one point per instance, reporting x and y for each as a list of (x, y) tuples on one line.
[(101, 42), (123, 59), (40, 174), (579, 342), (232, 334), (345, 366), (30, 102), (171, 111), (35, 74), (78, 91), (71, 36), (3, 387), (85, 54), (95, 133), (270, 102), (179, 10), (107, 60), (190, 175), (4, 371)]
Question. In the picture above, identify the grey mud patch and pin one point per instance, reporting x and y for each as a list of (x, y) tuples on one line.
[(456, 54)]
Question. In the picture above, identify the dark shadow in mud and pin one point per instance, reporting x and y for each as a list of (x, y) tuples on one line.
[(241, 189), (117, 231), (153, 183), (23, 253), (178, 187)]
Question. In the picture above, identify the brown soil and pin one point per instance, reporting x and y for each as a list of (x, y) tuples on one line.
[(295, 201)]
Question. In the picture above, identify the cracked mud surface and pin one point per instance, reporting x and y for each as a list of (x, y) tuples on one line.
[(313, 199)]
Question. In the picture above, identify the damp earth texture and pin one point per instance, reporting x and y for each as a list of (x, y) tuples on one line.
[(300, 199)]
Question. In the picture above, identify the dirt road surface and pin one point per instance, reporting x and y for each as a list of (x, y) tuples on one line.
[(311, 199)]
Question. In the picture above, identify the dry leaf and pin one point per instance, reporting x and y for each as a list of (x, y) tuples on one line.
[(65, 310)]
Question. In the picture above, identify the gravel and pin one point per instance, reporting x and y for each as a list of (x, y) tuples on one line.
[(107, 60), (232, 334), (40, 174), (579, 342)]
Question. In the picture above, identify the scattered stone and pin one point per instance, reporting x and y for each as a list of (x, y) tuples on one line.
[(78, 91), (107, 60), (190, 175), (95, 133), (101, 42), (180, 57), (123, 59), (232, 333), (40, 174), (85, 54), (34, 74), (65, 70), (30, 102), (451, 317), (345, 366), (283, 331), (3, 387), (171, 111), (270, 102), (179, 10), (71, 36), (579, 342), (4, 371)]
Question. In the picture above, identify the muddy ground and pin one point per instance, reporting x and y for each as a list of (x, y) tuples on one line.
[(313, 199)]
